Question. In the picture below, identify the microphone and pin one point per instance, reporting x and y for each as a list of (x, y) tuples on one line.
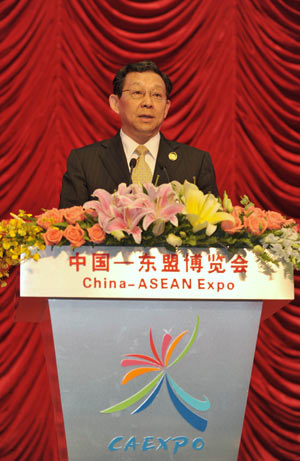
[(163, 167), (132, 165)]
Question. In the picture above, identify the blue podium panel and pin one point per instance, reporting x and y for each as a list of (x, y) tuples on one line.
[(154, 379)]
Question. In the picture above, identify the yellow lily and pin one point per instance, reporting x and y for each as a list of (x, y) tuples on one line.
[(202, 210)]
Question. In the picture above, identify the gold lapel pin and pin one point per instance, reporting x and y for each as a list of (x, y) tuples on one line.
[(172, 156)]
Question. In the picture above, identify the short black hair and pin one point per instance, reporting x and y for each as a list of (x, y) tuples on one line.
[(142, 66)]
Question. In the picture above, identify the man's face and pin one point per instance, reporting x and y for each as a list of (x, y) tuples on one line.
[(141, 118)]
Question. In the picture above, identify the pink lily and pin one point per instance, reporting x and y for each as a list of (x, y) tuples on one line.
[(121, 211), (104, 207), (127, 220), (161, 207)]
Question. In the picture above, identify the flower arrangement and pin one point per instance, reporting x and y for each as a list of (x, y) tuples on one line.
[(172, 215)]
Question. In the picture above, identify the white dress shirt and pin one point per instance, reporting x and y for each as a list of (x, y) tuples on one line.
[(129, 146)]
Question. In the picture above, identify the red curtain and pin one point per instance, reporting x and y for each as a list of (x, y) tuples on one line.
[(235, 66)]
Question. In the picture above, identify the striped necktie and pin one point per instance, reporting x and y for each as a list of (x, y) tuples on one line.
[(141, 173)]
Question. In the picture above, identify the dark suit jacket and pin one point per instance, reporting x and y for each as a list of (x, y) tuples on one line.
[(103, 165)]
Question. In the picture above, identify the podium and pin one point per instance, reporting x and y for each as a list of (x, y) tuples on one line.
[(154, 349)]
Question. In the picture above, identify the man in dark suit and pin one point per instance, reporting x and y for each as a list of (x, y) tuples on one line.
[(140, 98)]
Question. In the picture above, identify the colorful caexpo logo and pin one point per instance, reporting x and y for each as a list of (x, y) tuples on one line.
[(146, 364)]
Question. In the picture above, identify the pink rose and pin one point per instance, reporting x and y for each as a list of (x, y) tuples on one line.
[(237, 226), (49, 218), (75, 235), (96, 233), (52, 236), (255, 221), (74, 214)]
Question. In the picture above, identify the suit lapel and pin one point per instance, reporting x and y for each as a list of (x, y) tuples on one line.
[(114, 160), (165, 167)]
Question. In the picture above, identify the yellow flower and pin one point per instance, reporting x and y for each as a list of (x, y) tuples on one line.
[(227, 203), (26, 252), (174, 240), (118, 234), (22, 232), (36, 257), (6, 244), (17, 236), (203, 211)]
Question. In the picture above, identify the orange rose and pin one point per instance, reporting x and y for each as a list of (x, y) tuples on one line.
[(74, 214), (52, 236), (92, 212), (75, 235), (291, 222), (96, 233), (275, 220), (256, 222), (237, 226), (50, 217)]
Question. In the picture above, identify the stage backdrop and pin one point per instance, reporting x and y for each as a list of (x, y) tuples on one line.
[(236, 71)]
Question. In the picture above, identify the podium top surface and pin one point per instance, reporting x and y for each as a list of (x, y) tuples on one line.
[(156, 273)]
